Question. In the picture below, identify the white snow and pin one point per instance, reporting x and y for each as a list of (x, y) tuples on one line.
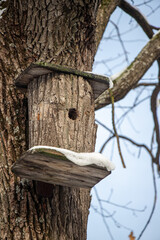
[(116, 75), (156, 33), (82, 159), (111, 85), (2, 9)]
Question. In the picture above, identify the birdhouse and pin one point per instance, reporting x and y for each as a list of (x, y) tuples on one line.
[(61, 126)]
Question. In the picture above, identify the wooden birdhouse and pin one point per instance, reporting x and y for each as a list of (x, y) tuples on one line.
[(61, 117)]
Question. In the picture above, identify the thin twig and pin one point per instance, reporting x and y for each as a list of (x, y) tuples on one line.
[(115, 130), (104, 126), (155, 195), (124, 206), (121, 41), (145, 85), (138, 16), (131, 141), (101, 208), (135, 104), (156, 123), (154, 27)]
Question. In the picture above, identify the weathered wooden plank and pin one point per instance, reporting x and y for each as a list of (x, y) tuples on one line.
[(99, 83), (53, 167)]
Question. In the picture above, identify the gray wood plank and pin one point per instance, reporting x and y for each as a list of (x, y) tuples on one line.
[(99, 83), (49, 166)]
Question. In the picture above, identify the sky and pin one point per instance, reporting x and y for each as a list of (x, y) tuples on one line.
[(131, 187)]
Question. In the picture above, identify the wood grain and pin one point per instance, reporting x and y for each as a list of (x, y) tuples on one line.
[(53, 167)]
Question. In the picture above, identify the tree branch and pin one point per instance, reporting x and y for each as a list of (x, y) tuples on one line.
[(125, 206), (138, 16), (133, 73), (131, 141), (102, 214), (155, 119), (141, 20), (155, 196), (121, 41), (104, 12), (145, 85), (115, 130)]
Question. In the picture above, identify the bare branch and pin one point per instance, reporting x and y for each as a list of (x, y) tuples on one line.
[(138, 145), (104, 126), (133, 73), (138, 16), (121, 41), (141, 20), (145, 2), (102, 214), (155, 119), (134, 105), (155, 196), (104, 12), (155, 28), (145, 85), (125, 206), (108, 215), (115, 130), (131, 141)]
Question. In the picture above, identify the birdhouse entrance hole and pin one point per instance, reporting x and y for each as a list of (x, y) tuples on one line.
[(73, 113)]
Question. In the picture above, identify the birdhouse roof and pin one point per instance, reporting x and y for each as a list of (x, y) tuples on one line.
[(99, 83)]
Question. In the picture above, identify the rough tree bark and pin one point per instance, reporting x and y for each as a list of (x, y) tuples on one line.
[(61, 32)]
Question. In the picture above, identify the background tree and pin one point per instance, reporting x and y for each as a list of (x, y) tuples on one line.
[(66, 33)]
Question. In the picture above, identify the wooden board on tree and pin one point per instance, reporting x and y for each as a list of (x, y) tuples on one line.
[(50, 166), (99, 83)]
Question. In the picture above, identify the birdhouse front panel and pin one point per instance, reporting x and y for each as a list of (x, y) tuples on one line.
[(61, 112)]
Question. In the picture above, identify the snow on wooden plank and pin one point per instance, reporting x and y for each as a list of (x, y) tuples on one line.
[(51, 166)]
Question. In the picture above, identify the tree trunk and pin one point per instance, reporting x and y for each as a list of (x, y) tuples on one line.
[(56, 32)]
